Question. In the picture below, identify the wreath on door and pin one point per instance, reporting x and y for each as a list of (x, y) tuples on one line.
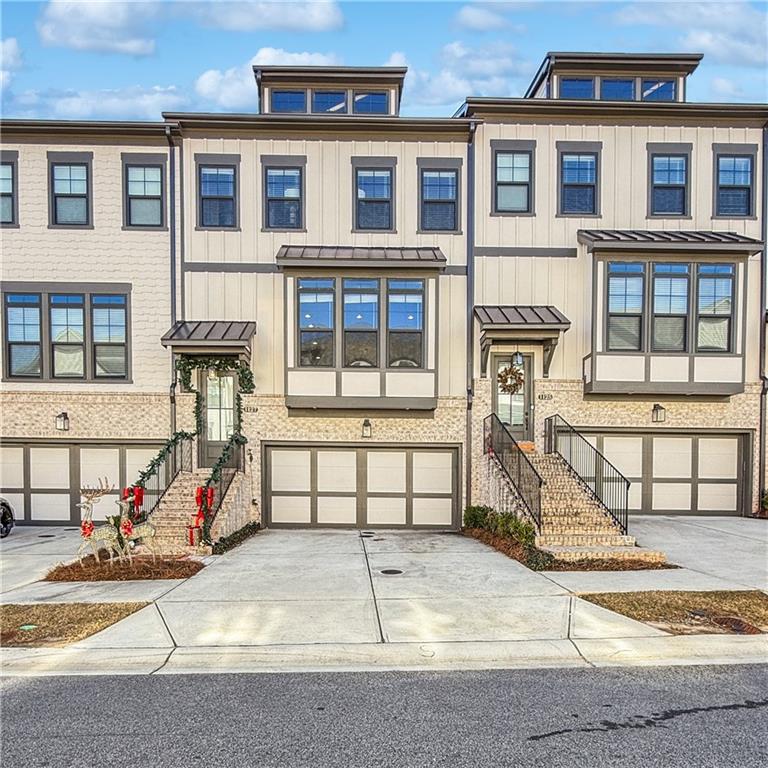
[(511, 379)]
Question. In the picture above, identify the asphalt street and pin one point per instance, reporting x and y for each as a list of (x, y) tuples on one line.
[(674, 716)]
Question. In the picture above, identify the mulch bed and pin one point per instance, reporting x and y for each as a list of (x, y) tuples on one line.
[(686, 613), (140, 568), (57, 624), (537, 560)]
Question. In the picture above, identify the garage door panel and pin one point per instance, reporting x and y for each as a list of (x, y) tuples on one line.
[(386, 471), (11, 466), (625, 453), (290, 470), (337, 471), (136, 461), (337, 510), (100, 464), (716, 497), (50, 506), (16, 500), (49, 467), (672, 457), (385, 510), (291, 509), (718, 458), (635, 502), (672, 497), (432, 511), (432, 472)]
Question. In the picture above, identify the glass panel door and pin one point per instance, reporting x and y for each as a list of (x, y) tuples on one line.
[(219, 396), (513, 408)]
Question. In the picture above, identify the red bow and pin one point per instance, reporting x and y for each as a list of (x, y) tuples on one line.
[(126, 527), (86, 528)]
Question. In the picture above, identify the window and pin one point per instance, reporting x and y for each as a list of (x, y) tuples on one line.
[(670, 307), (374, 198), (625, 306), (669, 184), (70, 194), (734, 185), (374, 103), (715, 307), (439, 200), (316, 322), (284, 198), (513, 182), (217, 196), (68, 335), (289, 101), (22, 328), (658, 90), (144, 187), (329, 101), (8, 193), (361, 323), (108, 318), (617, 89), (578, 189), (219, 406), (577, 88), (405, 323)]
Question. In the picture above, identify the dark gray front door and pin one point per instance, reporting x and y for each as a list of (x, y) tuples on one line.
[(219, 405), (514, 410)]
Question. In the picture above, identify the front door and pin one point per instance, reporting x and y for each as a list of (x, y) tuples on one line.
[(514, 410), (219, 403)]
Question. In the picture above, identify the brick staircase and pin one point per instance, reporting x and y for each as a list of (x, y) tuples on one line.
[(175, 512)]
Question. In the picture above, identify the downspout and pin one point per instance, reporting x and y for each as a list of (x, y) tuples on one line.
[(172, 245), (470, 301), (763, 378)]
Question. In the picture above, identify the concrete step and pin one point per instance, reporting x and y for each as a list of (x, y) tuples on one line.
[(579, 539), (606, 553)]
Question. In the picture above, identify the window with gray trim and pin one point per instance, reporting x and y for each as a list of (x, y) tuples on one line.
[(373, 208), (22, 335), (370, 103), (108, 324), (670, 308), (439, 199), (669, 185), (734, 180), (715, 307), (405, 323), (626, 290), (361, 322), (8, 201), (577, 88), (284, 198), (67, 325), (578, 183), (144, 195), (513, 175), (289, 101), (70, 185), (332, 102), (316, 302), (217, 194), (658, 90), (617, 88)]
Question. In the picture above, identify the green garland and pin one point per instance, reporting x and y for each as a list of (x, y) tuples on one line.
[(235, 442), (153, 465)]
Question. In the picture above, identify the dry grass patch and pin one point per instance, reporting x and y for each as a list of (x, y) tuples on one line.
[(686, 613), (140, 568), (609, 564), (46, 625)]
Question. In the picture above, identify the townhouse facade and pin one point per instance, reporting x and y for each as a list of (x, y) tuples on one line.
[(350, 290)]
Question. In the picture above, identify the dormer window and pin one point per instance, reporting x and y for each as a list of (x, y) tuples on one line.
[(658, 90), (334, 102), (289, 101), (371, 103), (617, 89), (577, 88)]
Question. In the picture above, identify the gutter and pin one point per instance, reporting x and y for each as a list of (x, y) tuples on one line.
[(470, 300), (172, 254), (763, 317)]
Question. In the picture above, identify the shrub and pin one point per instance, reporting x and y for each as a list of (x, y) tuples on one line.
[(225, 543), (538, 559), (477, 516)]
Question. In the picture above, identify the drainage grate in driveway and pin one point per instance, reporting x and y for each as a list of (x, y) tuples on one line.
[(391, 571), (46, 536)]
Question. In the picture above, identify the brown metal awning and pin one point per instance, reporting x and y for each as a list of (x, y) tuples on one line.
[(368, 258), (668, 240), (203, 337), (521, 323)]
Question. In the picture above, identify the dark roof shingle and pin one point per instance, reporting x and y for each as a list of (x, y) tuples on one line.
[(669, 239), (334, 255), (520, 316)]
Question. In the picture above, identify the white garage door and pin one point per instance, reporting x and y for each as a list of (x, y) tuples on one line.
[(361, 487), (43, 482), (680, 473)]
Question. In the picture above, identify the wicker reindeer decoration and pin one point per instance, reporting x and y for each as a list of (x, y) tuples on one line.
[(132, 532), (97, 537)]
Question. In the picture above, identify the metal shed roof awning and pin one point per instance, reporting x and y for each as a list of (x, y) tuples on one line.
[(668, 240), (521, 323), (206, 337), (367, 258)]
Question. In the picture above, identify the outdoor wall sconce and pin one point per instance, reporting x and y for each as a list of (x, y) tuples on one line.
[(367, 430), (517, 359), (62, 422), (658, 414)]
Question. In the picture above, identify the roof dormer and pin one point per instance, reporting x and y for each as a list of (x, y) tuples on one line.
[(342, 91), (613, 76)]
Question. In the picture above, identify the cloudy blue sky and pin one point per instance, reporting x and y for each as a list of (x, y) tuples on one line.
[(108, 59)]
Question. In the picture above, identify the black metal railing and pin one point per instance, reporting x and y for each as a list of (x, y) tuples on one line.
[(223, 472), (602, 479), (501, 446), (174, 457)]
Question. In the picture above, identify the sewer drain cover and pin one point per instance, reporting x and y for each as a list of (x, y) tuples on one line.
[(737, 625), (391, 572), (46, 535)]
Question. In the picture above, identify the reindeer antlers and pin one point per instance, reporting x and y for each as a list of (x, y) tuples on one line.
[(93, 494)]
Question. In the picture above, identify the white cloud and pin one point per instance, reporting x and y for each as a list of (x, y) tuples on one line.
[(726, 32), (479, 19), (99, 25), (235, 88), (10, 60), (725, 89), (250, 15)]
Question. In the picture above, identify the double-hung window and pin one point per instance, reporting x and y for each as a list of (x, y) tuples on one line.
[(670, 307), (626, 288), (68, 335), (316, 322), (669, 185), (283, 201), (577, 88), (578, 183), (361, 323), (70, 194), (512, 193), (8, 202), (374, 198), (734, 193), (405, 323), (439, 200), (715, 307), (108, 332), (658, 90), (144, 191), (22, 333), (217, 196)]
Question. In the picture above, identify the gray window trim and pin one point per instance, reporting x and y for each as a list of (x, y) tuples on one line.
[(70, 158), (514, 146), (381, 310), (624, 78), (143, 160), (652, 277), (734, 150), (299, 162), (11, 157), (296, 364), (88, 290), (732, 318), (644, 311), (424, 323), (439, 164), (217, 161), (661, 79), (328, 89), (375, 164), (584, 148), (288, 89), (358, 91), (578, 77), (664, 149)]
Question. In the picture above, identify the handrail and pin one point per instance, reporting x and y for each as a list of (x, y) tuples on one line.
[(230, 462), (499, 444), (174, 457), (603, 480)]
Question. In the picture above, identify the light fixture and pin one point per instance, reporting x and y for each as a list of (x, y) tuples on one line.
[(367, 429), (658, 414), (62, 422), (517, 359)]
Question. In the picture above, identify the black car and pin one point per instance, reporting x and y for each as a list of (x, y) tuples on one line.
[(7, 519)]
